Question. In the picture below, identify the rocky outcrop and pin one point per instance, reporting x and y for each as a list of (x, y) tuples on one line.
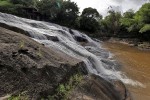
[(81, 39), (96, 88), (27, 66), (16, 29)]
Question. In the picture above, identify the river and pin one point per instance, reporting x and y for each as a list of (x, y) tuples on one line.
[(136, 65)]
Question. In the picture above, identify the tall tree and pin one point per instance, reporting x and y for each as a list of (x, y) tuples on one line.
[(112, 22), (129, 14), (127, 21), (143, 14), (143, 18), (49, 8), (27, 3), (140, 22), (89, 19), (68, 13)]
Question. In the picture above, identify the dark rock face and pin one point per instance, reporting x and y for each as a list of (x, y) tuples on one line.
[(26, 66), (53, 38), (96, 88), (80, 39), (14, 29)]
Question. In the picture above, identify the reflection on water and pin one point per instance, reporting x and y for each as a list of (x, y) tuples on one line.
[(136, 64)]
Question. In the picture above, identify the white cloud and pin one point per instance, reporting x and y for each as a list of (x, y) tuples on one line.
[(102, 5)]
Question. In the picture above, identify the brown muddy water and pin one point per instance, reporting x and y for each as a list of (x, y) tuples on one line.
[(136, 65)]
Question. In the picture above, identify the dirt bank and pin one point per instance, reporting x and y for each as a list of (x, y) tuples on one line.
[(131, 42)]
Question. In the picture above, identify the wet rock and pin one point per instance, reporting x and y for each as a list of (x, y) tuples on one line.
[(122, 91), (52, 38), (109, 64), (96, 88), (70, 31), (81, 39), (16, 29), (144, 46)]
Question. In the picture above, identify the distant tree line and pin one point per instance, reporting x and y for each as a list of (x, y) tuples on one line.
[(57, 11), (130, 24)]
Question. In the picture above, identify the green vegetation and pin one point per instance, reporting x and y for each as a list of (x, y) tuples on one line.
[(39, 53), (68, 13), (112, 22), (4, 3), (14, 98), (26, 3), (49, 8), (145, 28), (21, 45), (57, 11), (89, 19), (64, 89), (21, 96), (130, 24)]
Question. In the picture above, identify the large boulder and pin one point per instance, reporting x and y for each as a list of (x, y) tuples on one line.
[(95, 87), (27, 66)]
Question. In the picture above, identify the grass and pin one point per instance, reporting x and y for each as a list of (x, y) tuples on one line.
[(5, 3), (39, 53), (21, 44), (21, 96), (63, 90)]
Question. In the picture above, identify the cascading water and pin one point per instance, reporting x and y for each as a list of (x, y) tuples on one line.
[(96, 58)]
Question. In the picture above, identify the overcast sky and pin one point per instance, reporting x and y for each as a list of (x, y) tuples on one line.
[(102, 5)]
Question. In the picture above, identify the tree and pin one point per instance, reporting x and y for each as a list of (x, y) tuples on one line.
[(27, 3), (139, 22), (129, 14), (112, 22), (128, 22), (4, 3), (49, 8), (16, 1), (143, 14), (89, 19), (143, 18), (68, 13)]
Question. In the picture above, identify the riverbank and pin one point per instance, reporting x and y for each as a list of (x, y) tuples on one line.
[(136, 66), (132, 42)]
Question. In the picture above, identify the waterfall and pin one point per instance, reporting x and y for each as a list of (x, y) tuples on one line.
[(65, 40)]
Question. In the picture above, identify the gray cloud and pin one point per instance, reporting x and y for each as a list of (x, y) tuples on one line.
[(118, 1), (133, 1), (102, 5), (127, 4)]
